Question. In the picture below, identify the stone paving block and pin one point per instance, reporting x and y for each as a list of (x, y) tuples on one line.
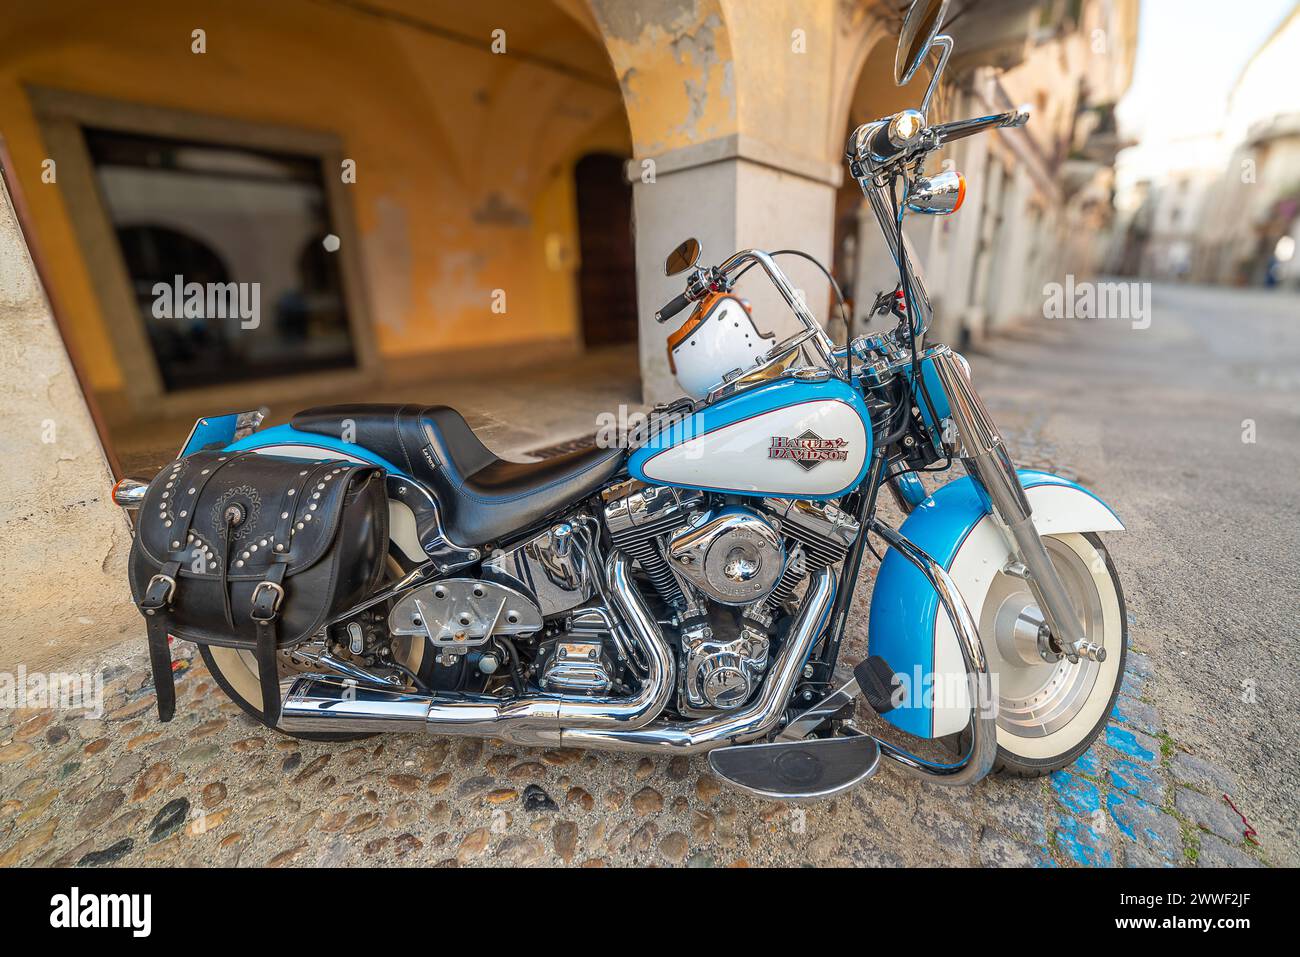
[(1217, 853), (1133, 685), (1138, 664), (1202, 775), (1210, 813), (1083, 844), (1133, 744), (997, 850), (1138, 855), (1075, 794), (1137, 714), (1153, 832), (1140, 780), (1015, 806)]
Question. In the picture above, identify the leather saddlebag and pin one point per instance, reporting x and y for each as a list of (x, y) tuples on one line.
[(253, 551)]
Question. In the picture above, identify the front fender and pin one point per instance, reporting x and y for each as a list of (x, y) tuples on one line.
[(908, 628)]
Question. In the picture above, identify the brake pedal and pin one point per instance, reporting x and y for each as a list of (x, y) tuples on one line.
[(878, 683), (798, 770)]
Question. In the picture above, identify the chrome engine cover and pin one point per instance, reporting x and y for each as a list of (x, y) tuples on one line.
[(578, 661), (460, 613), (721, 673), (732, 555), (548, 568)]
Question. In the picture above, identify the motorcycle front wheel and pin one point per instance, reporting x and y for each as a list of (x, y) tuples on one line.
[(1051, 711)]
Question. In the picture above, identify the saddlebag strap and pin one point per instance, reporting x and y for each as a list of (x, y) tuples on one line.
[(157, 599), (266, 611)]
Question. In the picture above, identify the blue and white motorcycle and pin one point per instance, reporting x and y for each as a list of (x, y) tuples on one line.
[(691, 593)]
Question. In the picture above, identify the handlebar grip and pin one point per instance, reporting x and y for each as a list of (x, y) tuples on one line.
[(880, 143), (674, 307), (960, 129)]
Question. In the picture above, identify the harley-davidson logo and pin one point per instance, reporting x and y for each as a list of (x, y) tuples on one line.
[(808, 450)]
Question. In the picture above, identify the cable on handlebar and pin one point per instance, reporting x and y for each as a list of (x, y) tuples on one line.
[(904, 274), (835, 287)]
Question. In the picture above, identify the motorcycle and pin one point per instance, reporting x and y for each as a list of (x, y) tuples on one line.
[(372, 568)]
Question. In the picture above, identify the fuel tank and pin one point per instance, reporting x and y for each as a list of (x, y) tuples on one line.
[(790, 438)]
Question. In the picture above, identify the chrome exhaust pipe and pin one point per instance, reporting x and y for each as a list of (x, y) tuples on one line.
[(731, 727), (332, 703), (323, 703)]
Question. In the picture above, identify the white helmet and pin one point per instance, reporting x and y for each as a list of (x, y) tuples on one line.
[(719, 337)]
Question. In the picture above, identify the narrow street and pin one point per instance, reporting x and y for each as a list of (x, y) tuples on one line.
[(1152, 419), (1191, 430)]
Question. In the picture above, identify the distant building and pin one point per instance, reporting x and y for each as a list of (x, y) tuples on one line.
[(1250, 222)]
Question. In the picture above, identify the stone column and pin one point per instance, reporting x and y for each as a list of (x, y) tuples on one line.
[(63, 544), (730, 195)]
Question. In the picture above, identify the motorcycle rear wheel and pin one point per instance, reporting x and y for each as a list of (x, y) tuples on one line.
[(235, 672)]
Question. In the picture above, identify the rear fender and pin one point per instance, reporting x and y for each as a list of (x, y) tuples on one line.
[(412, 526), (907, 626)]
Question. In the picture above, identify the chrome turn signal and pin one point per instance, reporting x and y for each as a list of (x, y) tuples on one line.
[(938, 195), (129, 493)]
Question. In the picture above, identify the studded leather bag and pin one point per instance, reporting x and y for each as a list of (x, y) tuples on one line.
[(253, 551)]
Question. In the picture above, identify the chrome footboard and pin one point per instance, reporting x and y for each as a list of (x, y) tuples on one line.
[(983, 748)]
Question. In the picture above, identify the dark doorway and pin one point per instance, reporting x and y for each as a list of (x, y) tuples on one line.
[(607, 276)]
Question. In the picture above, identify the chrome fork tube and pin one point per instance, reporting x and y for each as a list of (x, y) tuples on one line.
[(986, 459)]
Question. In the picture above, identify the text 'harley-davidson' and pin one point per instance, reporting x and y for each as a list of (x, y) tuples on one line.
[(372, 568)]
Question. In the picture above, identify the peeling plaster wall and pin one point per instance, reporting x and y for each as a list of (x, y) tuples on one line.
[(674, 62), (63, 544), (732, 102)]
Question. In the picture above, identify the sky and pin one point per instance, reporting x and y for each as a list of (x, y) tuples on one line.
[(1190, 54)]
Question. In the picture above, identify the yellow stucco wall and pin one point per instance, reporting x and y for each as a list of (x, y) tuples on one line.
[(464, 158)]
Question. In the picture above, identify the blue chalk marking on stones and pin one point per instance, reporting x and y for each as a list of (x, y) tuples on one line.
[(1131, 778), (1082, 844), (1122, 818), (1125, 742), (1075, 793), (1088, 763), (1145, 825)]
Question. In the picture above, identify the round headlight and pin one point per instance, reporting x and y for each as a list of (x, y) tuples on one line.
[(905, 127)]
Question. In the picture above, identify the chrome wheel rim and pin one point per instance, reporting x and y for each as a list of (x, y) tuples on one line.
[(1038, 696)]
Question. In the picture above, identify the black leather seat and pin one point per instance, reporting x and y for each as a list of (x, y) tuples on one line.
[(483, 498)]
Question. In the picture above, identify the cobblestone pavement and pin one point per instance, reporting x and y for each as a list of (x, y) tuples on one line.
[(213, 787)]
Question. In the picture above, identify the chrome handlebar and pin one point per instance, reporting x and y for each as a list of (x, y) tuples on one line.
[(960, 129), (704, 279), (883, 144)]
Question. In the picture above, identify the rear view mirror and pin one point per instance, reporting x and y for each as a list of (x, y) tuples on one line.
[(920, 27), (683, 257)]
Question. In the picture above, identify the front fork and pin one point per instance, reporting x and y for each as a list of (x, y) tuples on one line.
[(985, 457)]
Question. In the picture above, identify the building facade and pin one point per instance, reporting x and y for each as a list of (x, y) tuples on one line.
[(1225, 208)]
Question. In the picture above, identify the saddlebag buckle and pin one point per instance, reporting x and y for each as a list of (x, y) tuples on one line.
[(158, 593), (266, 609)]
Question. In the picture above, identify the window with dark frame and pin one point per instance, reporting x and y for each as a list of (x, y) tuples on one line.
[(227, 253)]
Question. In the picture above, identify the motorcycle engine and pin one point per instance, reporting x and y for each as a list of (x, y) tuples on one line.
[(733, 555), (697, 550)]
